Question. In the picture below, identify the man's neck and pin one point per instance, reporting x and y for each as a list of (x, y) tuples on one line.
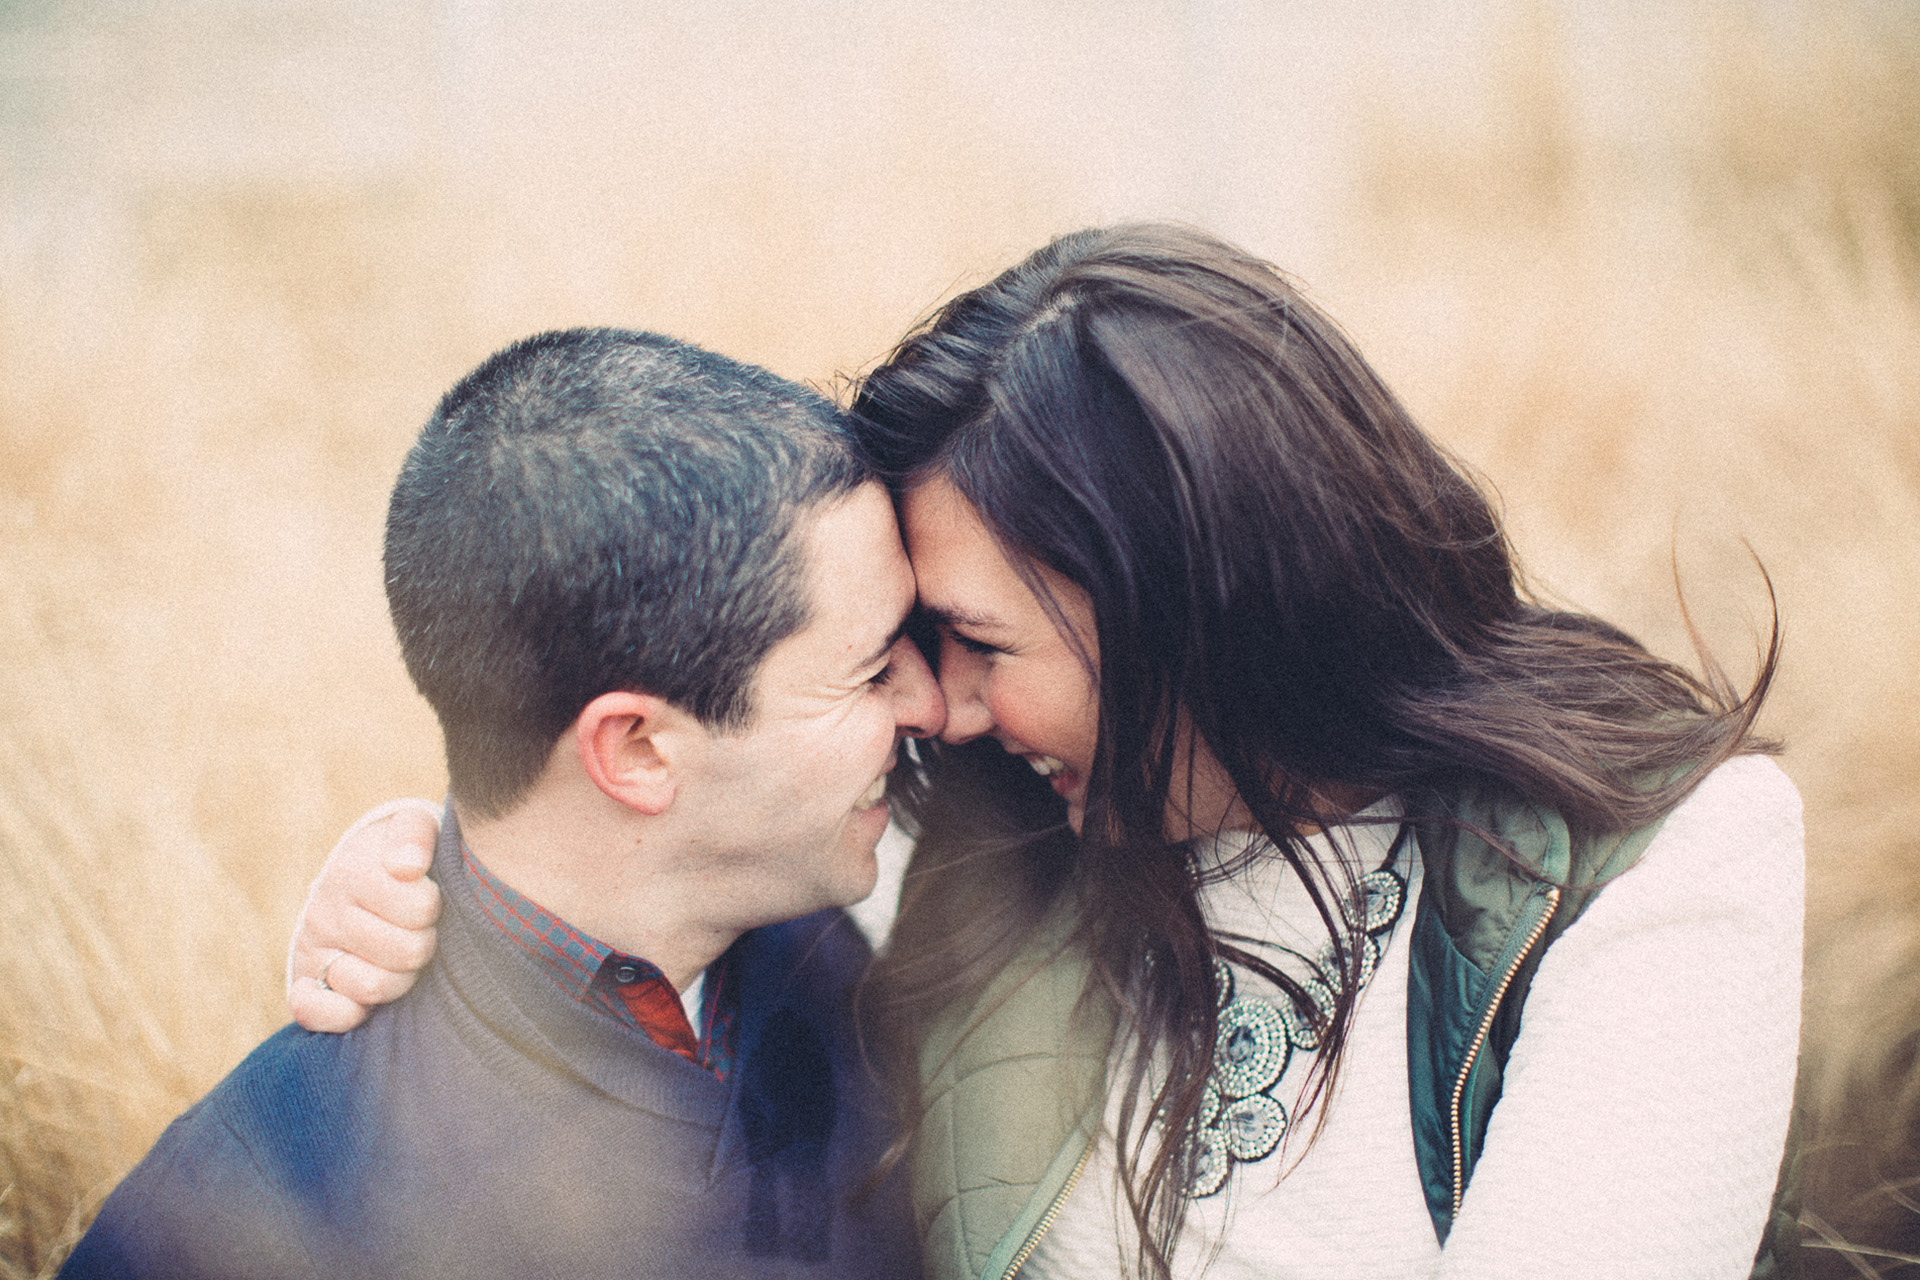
[(592, 867)]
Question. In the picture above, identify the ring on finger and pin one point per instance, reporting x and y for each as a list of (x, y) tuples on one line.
[(328, 968)]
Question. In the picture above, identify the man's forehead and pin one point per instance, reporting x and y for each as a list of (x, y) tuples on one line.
[(860, 583), (875, 619)]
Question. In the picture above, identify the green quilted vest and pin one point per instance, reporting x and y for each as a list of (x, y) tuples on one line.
[(1014, 1083)]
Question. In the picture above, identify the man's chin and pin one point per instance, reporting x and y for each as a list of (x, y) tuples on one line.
[(841, 875), (857, 895), (864, 827), (862, 877)]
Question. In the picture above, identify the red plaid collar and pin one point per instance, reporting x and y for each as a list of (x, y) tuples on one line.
[(626, 988)]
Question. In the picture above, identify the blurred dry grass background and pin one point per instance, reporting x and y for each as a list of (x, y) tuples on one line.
[(1653, 268)]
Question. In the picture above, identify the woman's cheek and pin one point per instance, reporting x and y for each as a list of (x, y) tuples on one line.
[(1031, 712)]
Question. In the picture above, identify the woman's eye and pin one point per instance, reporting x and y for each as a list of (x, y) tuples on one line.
[(975, 646)]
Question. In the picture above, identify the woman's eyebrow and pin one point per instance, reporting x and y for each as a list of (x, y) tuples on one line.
[(946, 617)]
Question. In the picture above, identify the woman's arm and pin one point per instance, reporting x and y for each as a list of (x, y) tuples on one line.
[(367, 925), (1646, 1099)]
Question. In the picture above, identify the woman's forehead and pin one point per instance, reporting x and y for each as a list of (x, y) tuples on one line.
[(964, 575)]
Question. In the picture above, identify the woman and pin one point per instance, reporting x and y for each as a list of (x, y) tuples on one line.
[(1327, 804)]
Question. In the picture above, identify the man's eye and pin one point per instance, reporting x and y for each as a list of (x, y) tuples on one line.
[(881, 677)]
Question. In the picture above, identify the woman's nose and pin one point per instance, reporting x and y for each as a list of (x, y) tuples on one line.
[(919, 706), (963, 681)]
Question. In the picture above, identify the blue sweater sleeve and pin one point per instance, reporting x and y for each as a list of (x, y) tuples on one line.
[(239, 1185), (197, 1208)]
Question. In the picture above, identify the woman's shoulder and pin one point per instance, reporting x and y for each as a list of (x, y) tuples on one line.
[(1746, 809), (1038, 996), (1748, 778), (1734, 849)]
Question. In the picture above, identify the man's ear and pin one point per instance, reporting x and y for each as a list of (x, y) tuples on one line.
[(633, 746)]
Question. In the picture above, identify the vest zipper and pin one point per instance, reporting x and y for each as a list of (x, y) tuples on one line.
[(1046, 1222), (1480, 1038)]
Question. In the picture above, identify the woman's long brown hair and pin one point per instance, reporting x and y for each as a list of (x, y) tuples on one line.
[(1281, 563)]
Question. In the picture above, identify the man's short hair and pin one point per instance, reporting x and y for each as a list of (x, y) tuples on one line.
[(599, 509)]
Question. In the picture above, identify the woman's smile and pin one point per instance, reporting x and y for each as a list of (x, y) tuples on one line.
[(1006, 667)]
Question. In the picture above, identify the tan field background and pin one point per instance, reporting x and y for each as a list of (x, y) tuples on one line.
[(1654, 268)]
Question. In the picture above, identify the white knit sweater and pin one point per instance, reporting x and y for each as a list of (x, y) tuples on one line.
[(1645, 1103)]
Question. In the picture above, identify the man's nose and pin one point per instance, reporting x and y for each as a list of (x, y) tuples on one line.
[(919, 707)]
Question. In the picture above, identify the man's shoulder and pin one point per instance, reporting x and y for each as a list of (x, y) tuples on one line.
[(825, 939), (796, 1032), (817, 956), (298, 1093), (233, 1184), (283, 1106)]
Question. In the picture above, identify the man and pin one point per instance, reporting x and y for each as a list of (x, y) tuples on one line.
[(656, 603)]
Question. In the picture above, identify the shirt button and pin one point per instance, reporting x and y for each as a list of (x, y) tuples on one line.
[(626, 974)]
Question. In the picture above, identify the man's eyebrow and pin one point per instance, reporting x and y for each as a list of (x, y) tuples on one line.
[(886, 647)]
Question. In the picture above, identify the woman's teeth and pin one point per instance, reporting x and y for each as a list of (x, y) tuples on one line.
[(874, 794), (1045, 766)]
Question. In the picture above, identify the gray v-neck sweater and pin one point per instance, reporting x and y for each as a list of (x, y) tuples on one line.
[(487, 1125)]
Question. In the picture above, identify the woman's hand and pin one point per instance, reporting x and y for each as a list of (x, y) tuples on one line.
[(367, 928)]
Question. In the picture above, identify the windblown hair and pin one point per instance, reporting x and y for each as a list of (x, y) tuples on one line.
[(1280, 562), (594, 510)]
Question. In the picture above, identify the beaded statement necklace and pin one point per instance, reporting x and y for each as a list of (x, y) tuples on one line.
[(1240, 1120)]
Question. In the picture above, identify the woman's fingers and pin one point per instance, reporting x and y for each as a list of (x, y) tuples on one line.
[(336, 989), (346, 987), (368, 984), (318, 1009), (367, 927), (403, 896), (364, 938)]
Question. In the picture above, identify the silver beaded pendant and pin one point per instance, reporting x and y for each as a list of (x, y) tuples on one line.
[(1240, 1120)]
